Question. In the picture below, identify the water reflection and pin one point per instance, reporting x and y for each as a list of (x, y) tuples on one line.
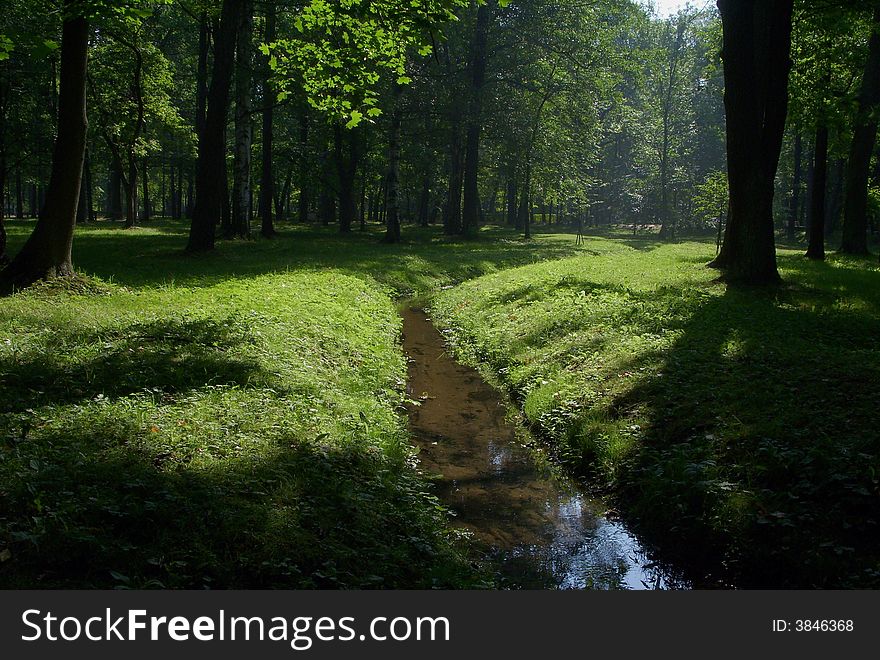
[(538, 528)]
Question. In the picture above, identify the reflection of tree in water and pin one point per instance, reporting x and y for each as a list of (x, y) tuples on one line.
[(538, 529)]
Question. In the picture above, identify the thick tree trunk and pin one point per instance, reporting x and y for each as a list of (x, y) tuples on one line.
[(346, 171), (392, 217), (756, 55), (470, 218), (267, 178), (855, 207), (816, 249), (244, 131), (795, 188), (47, 252), (211, 163)]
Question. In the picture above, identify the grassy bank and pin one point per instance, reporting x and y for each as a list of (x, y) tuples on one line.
[(243, 434), (738, 428), (227, 420)]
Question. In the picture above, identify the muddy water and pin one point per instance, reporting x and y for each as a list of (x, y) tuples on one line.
[(535, 526)]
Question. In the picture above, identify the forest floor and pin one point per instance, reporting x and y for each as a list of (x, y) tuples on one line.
[(235, 419)]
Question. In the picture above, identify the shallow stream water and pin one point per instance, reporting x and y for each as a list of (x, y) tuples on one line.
[(535, 526)]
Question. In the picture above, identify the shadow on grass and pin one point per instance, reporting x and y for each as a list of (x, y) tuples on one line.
[(93, 495), (154, 256), (91, 507), (161, 357), (761, 446)]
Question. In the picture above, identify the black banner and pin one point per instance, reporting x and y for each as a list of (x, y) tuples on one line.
[(130, 625)]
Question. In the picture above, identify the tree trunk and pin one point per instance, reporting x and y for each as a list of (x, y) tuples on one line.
[(145, 185), (90, 189), (795, 188), (19, 196), (756, 55), (855, 208), (470, 218), (834, 201), (114, 199), (47, 252), (188, 208), (452, 210), (303, 208), (282, 205), (202, 73), (173, 193), (4, 259), (816, 249), (346, 171), (524, 220), (511, 199), (267, 180), (211, 163), (244, 131), (392, 217), (131, 201), (226, 229), (667, 224), (424, 201), (82, 213)]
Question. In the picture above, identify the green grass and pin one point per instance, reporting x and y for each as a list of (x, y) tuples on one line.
[(227, 420), (738, 428), (153, 256), (234, 419)]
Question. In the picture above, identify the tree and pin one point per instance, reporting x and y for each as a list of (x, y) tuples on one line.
[(756, 55), (129, 94), (244, 131), (210, 183), (47, 252), (855, 222), (826, 49), (470, 217), (267, 178)]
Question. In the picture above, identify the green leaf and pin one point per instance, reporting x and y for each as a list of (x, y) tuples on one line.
[(45, 48)]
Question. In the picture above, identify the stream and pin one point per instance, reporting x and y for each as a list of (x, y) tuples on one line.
[(538, 530)]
